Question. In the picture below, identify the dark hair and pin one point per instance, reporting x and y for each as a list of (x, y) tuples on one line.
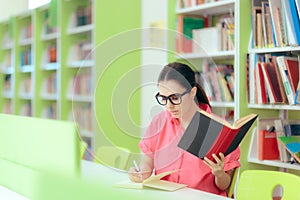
[(185, 76)]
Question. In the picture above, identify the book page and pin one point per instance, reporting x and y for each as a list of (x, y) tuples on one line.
[(240, 122), (216, 118), (129, 185), (153, 181), (159, 176), (165, 185)]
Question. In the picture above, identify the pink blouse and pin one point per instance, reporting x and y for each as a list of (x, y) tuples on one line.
[(160, 143)]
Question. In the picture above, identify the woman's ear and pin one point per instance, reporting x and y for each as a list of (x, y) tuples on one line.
[(194, 91)]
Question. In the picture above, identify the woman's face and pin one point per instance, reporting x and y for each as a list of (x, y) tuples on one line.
[(167, 88)]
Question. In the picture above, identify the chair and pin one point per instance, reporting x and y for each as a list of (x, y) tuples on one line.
[(260, 184), (116, 157), (231, 189)]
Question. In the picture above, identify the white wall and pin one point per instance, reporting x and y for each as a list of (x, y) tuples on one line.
[(9, 8), (154, 58)]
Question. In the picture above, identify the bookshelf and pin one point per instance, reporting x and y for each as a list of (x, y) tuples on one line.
[(253, 156), (214, 63), (283, 109), (77, 66), (59, 81), (7, 69), (24, 64), (47, 61)]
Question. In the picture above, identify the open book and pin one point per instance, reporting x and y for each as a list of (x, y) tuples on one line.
[(292, 145), (153, 182), (208, 134)]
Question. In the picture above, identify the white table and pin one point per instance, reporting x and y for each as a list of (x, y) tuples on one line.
[(7, 194), (109, 176)]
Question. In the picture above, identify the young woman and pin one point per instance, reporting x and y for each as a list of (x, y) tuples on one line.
[(182, 97)]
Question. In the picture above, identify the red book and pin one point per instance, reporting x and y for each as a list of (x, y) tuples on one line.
[(292, 67), (260, 84), (208, 134), (272, 83), (267, 145)]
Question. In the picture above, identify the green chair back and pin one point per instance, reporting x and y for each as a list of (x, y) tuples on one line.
[(112, 156), (232, 186), (260, 184), (30, 145)]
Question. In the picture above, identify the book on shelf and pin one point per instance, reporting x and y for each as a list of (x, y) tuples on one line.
[(209, 134), (267, 147), (267, 25), (200, 42), (292, 22), (291, 127), (284, 156), (292, 66), (277, 14), (297, 96), (271, 82), (292, 145), (260, 88), (185, 27), (283, 62), (153, 181)]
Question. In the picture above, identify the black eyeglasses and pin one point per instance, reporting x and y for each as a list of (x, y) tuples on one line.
[(175, 99)]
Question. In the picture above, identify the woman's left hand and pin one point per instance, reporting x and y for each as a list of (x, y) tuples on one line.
[(217, 166)]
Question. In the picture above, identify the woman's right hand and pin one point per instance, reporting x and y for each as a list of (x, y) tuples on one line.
[(139, 177)]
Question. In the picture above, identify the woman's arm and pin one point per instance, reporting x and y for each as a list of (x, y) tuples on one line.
[(146, 167)]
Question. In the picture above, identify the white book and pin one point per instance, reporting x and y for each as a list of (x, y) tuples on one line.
[(285, 79)]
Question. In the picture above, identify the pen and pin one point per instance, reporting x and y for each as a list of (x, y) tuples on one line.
[(137, 169)]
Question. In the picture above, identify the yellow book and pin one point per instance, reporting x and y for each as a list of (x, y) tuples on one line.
[(153, 182)]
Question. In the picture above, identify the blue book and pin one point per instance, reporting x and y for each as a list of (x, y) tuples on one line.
[(292, 145), (295, 19)]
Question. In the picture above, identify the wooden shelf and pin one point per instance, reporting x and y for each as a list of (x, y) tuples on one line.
[(215, 8), (253, 156), (215, 55), (50, 36), (80, 29), (278, 107)]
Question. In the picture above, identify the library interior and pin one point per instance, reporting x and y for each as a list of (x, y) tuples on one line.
[(81, 90)]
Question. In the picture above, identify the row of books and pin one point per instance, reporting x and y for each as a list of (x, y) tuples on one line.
[(7, 108), (275, 23), (218, 82), (7, 82), (272, 134), (191, 3), (195, 34), (222, 34), (26, 109), (82, 84), (25, 57), (83, 15), (26, 32), (82, 51), (6, 61), (276, 79), (25, 86), (51, 53), (51, 111), (49, 28), (83, 116), (51, 84), (7, 40)]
